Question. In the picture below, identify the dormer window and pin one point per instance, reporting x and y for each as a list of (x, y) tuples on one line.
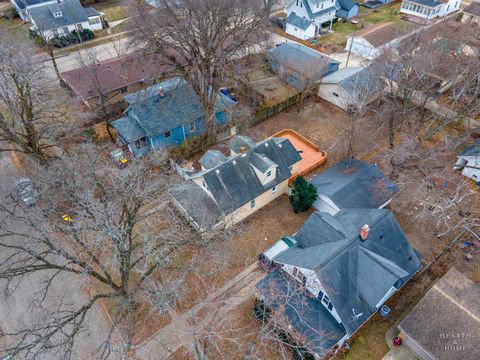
[(56, 11)]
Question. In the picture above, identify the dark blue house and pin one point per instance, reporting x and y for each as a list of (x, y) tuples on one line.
[(299, 65), (165, 115), (347, 9)]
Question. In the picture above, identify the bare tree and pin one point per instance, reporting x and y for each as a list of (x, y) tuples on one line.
[(31, 117), (202, 39), (91, 222)]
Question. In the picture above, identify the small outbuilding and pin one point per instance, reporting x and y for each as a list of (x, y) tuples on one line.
[(469, 162), (299, 65), (350, 88), (346, 9), (372, 40)]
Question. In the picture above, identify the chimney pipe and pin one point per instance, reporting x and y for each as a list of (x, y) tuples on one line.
[(242, 149), (161, 92), (364, 232)]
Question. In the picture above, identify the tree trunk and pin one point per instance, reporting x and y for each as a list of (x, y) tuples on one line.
[(51, 53)]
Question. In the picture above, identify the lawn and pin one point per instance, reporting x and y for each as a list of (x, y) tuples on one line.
[(386, 13), (114, 10), (15, 28)]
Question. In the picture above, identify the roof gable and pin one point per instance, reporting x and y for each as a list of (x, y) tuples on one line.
[(72, 12), (473, 9), (380, 34)]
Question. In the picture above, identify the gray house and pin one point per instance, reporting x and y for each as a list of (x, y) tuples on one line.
[(336, 273), (352, 184), (299, 65)]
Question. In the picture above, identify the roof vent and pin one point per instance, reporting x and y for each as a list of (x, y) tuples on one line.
[(266, 144), (364, 232), (234, 162), (161, 92), (217, 171), (242, 149)]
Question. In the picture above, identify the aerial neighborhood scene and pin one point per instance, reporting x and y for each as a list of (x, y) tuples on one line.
[(239, 179)]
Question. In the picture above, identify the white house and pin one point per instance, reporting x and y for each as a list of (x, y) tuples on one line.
[(305, 17), (429, 9), (372, 40), (469, 162), (63, 17), (23, 6), (350, 88)]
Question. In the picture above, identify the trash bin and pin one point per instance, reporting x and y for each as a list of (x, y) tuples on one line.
[(384, 310)]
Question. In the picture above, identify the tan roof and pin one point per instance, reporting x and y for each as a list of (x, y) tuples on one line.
[(446, 322), (380, 34), (473, 8)]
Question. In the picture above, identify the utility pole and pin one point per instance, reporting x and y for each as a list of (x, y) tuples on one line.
[(350, 47)]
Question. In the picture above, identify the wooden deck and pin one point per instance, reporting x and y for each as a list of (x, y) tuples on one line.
[(312, 156)]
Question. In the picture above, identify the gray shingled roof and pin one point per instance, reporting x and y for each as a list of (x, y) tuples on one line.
[(347, 4), (211, 159), (449, 308), (354, 184), (298, 21), (472, 150), (313, 13), (352, 78), (307, 316), (301, 58), (156, 115), (261, 162), (72, 13), (355, 274), (195, 201), (234, 183), (22, 4), (128, 128)]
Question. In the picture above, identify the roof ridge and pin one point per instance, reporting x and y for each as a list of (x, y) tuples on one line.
[(353, 238)]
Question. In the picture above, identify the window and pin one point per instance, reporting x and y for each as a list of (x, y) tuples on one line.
[(326, 300), (79, 27), (192, 125), (274, 190), (336, 95), (65, 30), (167, 134), (94, 21), (252, 204), (301, 5), (140, 143), (296, 272), (297, 2), (55, 32), (269, 173), (123, 89), (290, 168)]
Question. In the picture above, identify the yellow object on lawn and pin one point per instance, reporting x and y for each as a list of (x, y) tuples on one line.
[(124, 161), (66, 218)]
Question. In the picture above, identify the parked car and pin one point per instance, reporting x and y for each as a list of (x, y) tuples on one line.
[(26, 191)]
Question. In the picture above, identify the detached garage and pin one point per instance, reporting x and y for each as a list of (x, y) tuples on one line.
[(350, 88)]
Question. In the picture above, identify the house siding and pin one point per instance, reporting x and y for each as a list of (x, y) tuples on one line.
[(260, 201)]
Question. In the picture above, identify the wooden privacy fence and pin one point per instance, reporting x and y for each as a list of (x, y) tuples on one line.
[(267, 112)]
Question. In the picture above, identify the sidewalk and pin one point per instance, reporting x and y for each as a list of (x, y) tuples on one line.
[(180, 331)]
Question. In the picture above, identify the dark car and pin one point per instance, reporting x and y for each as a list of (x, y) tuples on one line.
[(26, 192)]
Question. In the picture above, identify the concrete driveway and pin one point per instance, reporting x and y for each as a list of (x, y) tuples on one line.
[(354, 60)]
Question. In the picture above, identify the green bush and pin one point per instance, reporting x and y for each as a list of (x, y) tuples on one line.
[(303, 195)]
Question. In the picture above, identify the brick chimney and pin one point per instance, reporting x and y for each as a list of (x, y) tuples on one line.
[(364, 232), (242, 149), (161, 92)]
